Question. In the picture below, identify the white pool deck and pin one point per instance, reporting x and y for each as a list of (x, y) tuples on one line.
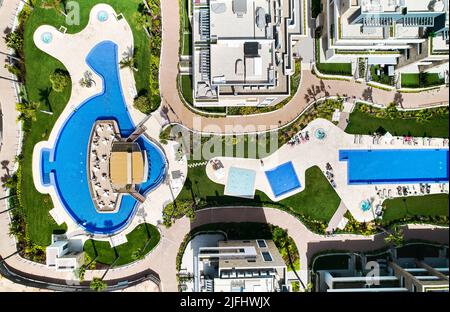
[(72, 50), (320, 152)]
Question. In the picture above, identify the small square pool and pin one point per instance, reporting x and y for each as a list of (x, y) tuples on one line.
[(283, 179), (240, 183)]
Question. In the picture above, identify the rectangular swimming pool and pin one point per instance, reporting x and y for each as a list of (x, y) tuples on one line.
[(396, 166), (240, 183), (283, 179)]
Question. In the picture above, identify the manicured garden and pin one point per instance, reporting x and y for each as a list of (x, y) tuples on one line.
[(140, 242), (186, 88), (40, 95), (380, 74), (367, 120), (340, 69), (429, 209), (186, 32), (315, 211), (421, 80)]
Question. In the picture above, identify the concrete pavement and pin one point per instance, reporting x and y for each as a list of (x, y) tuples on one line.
[(11, 130)]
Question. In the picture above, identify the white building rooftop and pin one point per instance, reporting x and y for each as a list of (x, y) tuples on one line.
[(233, 19), (231, 64)]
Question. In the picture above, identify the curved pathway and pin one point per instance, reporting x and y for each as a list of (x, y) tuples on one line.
[(178, 113), (9, 143)]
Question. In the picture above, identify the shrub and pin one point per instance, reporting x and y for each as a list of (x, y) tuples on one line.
[(177, 210), (143, 104), (14, 40), (59, 80), (98, 284)]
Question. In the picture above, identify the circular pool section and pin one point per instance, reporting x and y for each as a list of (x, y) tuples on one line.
[(102, 16), (47, 37), (366, 205), (320, 134)]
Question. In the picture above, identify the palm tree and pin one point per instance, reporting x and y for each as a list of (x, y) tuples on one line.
[(98, 284), (87, 80), (28, 111), (129, 60), (395, 237)]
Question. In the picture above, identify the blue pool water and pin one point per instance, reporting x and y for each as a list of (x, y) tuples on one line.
[(283, 179), (366, 205), (396, 166), (102, 16), (241, 182), (47, 37), (64, 167)]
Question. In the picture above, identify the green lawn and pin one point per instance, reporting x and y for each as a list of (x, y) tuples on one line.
[(413, 80), (341, 69), (39, 66), (306, 203), (410, 80), (364, 123), (319, 200), (186, 47), (382, 77), (430, 205), (187, 44), (185, 14), (143, 236), (186, 88)]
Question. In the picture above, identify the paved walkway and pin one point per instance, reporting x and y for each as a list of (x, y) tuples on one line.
[(179, 113), (10, 128), (337, 217)]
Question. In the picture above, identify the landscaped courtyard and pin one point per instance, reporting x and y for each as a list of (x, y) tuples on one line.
[(40, 65), (140, 242), (426, 123), (307, 205), (430, 209)]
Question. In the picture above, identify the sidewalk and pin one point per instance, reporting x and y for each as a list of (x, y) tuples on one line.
[(10, 140)]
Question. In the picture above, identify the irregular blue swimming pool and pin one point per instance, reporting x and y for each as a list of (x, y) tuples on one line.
[(64, 166), (396, 166), (283, 179)]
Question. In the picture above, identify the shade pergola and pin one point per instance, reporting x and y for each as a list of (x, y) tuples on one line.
[(127, 168)]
